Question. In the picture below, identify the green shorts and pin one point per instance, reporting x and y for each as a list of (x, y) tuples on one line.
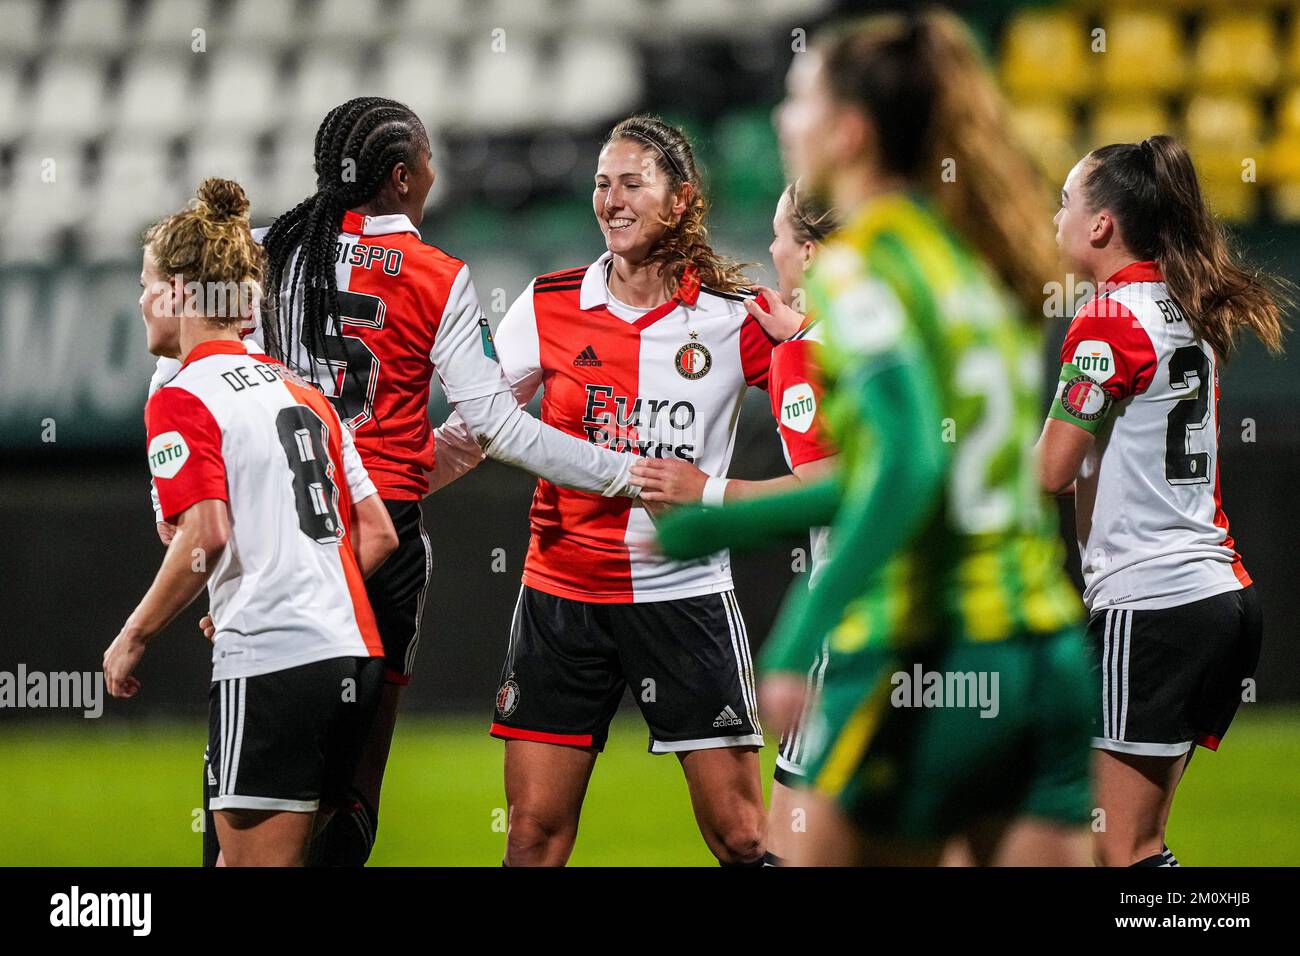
[(919, 744)]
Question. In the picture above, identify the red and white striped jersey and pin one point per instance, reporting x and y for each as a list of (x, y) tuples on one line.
[(408, 309), (1151, 530), (234, 425), (662, 382), (796, 388)]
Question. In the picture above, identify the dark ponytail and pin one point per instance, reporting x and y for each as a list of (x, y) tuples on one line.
[(1152, 191)]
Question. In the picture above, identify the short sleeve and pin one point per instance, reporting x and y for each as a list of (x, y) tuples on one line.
[(756, 350), (1107, 343), (185, 455), (796, 389), (463, 352)]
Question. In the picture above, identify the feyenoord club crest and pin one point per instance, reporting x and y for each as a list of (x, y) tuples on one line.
[(508, 698), (1084, 398), (693, 359)]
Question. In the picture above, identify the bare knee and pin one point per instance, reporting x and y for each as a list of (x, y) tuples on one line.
[(739, 839), (538, 839)]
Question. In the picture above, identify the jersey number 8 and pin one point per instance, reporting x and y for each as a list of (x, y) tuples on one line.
[(315, 494)]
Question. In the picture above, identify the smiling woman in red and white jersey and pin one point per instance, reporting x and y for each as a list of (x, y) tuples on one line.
[(263, 484), (366, 311), (647, 350), (1134, 428)]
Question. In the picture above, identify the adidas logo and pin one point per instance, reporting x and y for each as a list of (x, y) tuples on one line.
[(727, 718), (587, 357)]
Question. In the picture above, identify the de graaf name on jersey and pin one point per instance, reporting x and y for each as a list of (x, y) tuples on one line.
[(367, 257), (609, 420), (240, 378)]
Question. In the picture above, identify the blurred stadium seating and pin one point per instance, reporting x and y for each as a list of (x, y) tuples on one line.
[(1223, 75), (116, 107)]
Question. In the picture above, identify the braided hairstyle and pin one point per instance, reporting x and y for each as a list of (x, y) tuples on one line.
[(357, 146)]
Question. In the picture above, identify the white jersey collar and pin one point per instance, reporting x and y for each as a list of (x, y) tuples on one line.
[(595, 290), (357, 224)]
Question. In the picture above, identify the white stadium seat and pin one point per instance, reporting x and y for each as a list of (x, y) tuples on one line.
[(240, 92), (599, 78), (292, 177), (351, 20), (47, 193), (225, 152), (257, 23), (625, 14), (22, 26), (136, 187), (419, 74), (321, 82), (170, 24), (156, 96), (14, 117), (98, 25), (69, 96), (443, 20), (506, 91)]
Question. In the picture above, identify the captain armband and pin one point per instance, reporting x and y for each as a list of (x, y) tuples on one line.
[(1080, 400)]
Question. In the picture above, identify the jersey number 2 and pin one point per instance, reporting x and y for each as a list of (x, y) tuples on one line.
[(314, 492), (1190, 414)]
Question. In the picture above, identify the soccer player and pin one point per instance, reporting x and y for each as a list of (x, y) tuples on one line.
[(1134, 428), (800, 225), (368, 312), (955, 697), (649, 350), (269, 499)]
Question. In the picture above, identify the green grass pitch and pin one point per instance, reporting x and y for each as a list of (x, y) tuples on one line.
[(88, 794)]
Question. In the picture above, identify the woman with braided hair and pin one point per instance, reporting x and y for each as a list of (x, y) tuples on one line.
[(358, 305)]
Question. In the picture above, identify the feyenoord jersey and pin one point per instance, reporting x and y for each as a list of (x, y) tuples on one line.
[(796, 389), (233, 425), (407, 310), (666, 383), (1151, 530)]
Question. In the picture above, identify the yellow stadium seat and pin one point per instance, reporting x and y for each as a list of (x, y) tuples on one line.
[(1047, 131), (1045, 53), (1236, 51), (1129, 120), (1223, 135), (1280, 167), (1291, 48), (1286, 118), (1144, 52)]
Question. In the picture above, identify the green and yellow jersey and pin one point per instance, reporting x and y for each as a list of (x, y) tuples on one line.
[(940, 533)]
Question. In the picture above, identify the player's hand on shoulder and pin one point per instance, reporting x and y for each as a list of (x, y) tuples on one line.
[(166, 532), (779, 321), (120, 660), (781, 700), (668, 481)]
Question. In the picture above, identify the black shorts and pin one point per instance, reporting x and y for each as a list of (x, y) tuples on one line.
[(290, 739), (789, 757), (686, 661), (396, 591), (1173, 677)]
